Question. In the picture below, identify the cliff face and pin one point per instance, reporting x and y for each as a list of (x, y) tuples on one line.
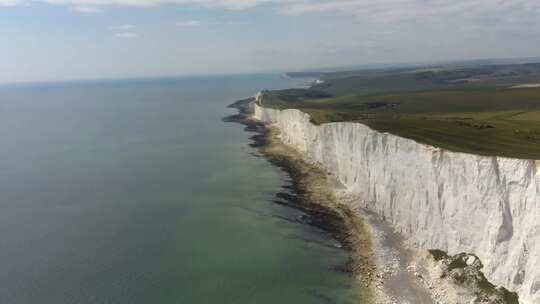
[(456, 202)]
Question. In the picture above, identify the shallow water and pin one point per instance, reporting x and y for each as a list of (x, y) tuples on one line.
[(137, 192)]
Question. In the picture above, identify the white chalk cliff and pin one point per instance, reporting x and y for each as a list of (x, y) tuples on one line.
[(437, 199)]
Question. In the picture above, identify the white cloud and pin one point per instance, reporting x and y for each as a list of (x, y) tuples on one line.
[(11, 2), (371, 11), (86, 9), (227, 4), (188, 23), (122, 27), (126, 35), (407, 9)]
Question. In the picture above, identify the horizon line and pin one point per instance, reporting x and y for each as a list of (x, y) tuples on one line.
[(334, 68)]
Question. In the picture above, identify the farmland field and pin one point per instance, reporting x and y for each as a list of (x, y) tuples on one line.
[(473, 109)]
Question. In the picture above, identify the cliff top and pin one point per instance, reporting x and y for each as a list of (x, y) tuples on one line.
[(488, 110)]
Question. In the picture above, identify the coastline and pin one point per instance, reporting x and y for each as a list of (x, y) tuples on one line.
[(381, 260), (311, 192)]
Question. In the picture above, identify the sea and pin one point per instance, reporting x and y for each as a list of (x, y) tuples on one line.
[(136, 191)]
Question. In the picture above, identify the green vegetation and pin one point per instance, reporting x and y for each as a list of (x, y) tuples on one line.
[(471, 109), (471, 276)]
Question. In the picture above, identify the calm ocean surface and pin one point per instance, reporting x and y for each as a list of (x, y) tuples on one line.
[(137, 192)]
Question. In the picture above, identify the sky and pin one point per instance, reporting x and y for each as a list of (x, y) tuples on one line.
[(50, 40)]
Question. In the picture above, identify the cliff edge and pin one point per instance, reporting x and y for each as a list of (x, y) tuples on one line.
[(437, 199)]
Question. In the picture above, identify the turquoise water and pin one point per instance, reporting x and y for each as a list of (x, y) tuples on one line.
[(137, 192)]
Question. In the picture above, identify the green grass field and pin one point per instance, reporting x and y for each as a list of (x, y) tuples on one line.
[(480, 115)]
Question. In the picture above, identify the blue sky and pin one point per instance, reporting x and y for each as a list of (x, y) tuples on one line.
[(87, 39)]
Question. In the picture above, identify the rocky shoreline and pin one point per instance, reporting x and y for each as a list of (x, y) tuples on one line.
[(309, 191), (390, 271)]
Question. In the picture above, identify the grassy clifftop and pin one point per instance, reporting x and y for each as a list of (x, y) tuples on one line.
[(473, 109)]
